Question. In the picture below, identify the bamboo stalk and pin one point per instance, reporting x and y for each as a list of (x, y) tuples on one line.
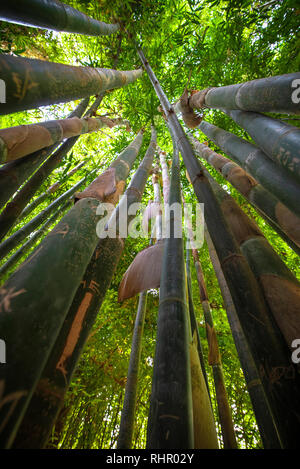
[(266, 342), (272, 94), (14, 208), (77, 244), (38, 296), (170, 422), (165, 175), (13, 174), (285, 223), (55, 16), (281, 288), (17, 142), (255, 388), (129, 405), (205, 435), (278, 140), (87, 301), (11, 262), (15, 239), (214, 359), (57, 185), (258, 164), (39, 83)]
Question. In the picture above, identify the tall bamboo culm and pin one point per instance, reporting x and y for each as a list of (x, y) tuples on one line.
[(57, 372), (14, 208), (13, 174), (258, 164), (264, 338), (56, 16), (280, 218), (262, 411), (51, 83), (272, 94), (170, 422)]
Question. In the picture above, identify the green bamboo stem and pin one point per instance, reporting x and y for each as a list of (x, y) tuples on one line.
[(263, 414), (278, 140), (128, 411), (54, 15), (53, 384), (272, 94), (11, 262), (17, 142), (39, 83), (36, 202), (285, 223), (14, 208), (258, 164), (193, 320), (16, 238), (280, 287), (13, 174), (129, 405), (214, 359), (165, 175), (38, 296), (266, 342), (194, 327), (170, 423)]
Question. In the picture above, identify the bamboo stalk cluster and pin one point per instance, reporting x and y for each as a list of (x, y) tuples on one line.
[(57, 292)]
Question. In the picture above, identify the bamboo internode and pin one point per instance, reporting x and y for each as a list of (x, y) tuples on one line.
[(54, 15), (31, 83), (272, 94)]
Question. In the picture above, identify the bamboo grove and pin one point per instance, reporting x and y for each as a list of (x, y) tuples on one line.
[(165, 328)]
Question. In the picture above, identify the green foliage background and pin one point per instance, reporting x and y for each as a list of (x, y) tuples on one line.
[(187, 42)]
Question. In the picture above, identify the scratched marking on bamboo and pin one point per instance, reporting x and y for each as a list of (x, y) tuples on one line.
[(76, 327), (5, 304), (12, 398)]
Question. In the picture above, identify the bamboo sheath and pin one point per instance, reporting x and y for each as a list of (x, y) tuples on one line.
[(53, 15), (263, 414), (32, 83), (266, 342), (258, 164), (285, 222), (49, 394), (13, 174), (272, 94), (17, 142)]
